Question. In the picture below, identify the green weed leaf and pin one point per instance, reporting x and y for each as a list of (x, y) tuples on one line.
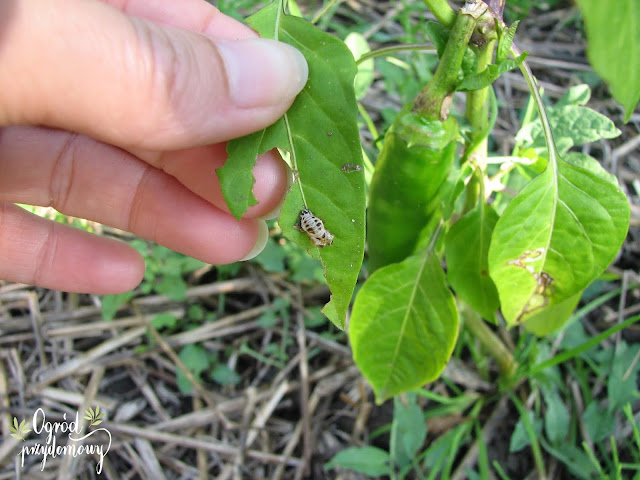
[(224, 375), (320, 133), (622, 381), (571, 125), (196, 360), (578, 96), (403, 326), (520, 438), (467, 268), (613, 47), (272, 257), (408, 431), (364, 78), (555, 237), (164, 320), (556, 418), (438, 34), (371, 461), (599, 422), (111, 304)]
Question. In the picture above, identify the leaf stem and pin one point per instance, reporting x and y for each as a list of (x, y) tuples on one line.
[(442, 11), (435, 99), (294, 159), (324, 10), (544, 119), (405, 47), (497, 349)]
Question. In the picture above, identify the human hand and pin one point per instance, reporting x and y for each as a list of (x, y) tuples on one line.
[(117, 112)]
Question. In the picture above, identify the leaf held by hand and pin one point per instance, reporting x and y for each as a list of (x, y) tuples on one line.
[(320, 133)]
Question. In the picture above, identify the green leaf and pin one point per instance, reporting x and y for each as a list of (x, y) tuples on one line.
[(196, 360), (520, 437), (556, 418), (172, 286), (111, 304), (403, 326), (224, 375), (578, 95), (553, 317), (613, 47), (163, 320), (582, 160), (321, 134), (364, 78), (555, 237), (622, 382), (371, 461), (272, 257), (489, 75), (438, 34), (468, 268), (408, 430), (599, 422), (505, 40), (571, 126)]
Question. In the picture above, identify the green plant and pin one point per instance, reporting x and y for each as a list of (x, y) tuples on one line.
[(163, 275), (407, 434), (523, 235), (537, 251), (561, 419)]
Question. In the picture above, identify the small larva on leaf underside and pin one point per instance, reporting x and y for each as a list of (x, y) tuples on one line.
[(314, 228)]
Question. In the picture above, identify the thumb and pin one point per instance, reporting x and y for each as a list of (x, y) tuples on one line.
[(89, 68)]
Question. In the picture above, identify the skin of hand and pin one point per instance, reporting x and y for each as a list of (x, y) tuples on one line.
[(117, 111)]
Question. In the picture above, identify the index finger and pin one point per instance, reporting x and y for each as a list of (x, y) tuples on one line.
[(195, 15), (86, 67)]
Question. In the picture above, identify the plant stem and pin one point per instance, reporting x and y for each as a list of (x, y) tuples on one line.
[(435, 99), (404, 47), (478, 115), (544, 119), (478, 100), (480, 330), (442, 11)]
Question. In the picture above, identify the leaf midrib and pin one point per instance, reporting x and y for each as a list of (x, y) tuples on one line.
[(409, 308)]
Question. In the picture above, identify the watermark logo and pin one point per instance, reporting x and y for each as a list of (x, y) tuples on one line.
[(19, 431), (77, 445), (93, 416)]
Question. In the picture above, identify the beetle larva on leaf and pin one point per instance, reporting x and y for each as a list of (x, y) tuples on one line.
[(314, 228)]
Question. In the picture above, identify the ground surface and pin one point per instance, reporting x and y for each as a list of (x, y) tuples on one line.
[(296, 398)]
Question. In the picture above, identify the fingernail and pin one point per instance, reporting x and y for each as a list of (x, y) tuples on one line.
[(262, 72), (261, 242)]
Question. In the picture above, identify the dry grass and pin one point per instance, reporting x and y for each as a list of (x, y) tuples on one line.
[(57, 353)]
